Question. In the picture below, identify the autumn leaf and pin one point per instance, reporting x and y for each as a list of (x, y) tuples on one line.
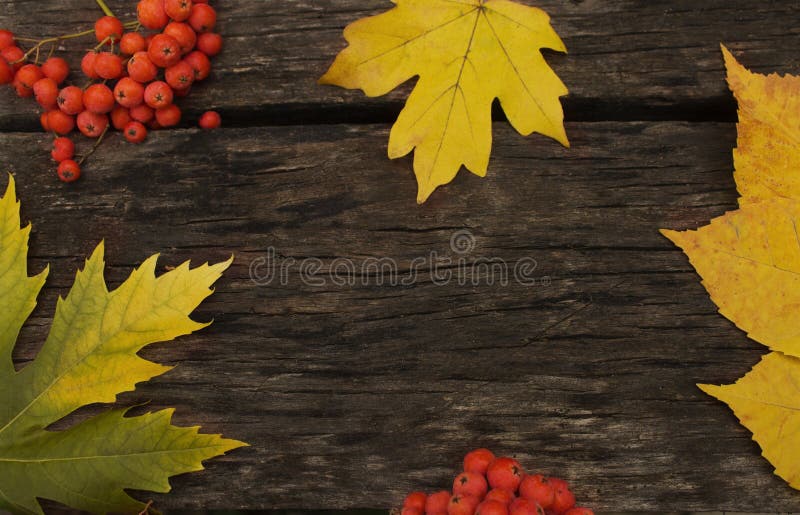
[(766, 160), (767, 402), (466, 53), (90, 356), (749, 260)]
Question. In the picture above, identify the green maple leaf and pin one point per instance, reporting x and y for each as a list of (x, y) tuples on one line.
[(90, 357)]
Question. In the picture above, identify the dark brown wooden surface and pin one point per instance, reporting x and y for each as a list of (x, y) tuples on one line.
[(351, 396)]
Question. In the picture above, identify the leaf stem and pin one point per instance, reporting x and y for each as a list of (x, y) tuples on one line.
[(146, 509)]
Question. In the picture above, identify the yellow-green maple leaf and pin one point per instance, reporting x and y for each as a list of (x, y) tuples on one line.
[(749, 260), (90, 357), (466, 53), (767, 402)]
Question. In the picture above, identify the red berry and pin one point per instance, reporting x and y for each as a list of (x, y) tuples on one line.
[(579, 511), (183, 34), (178, 10), (69, 171), (203, 18), (60, 122), (498, 494), (63, 149), (128, 92), (209, 43), (180, 76), (28, 75), (56, 68), (108, 65), (92, 125), (504, 473), (462, 505), (6, 39), (108, 28), (131, 43), (142, 113), (158, 94), (6, 72), (44, 120), (13, 56), (537, 488), (151, 14), (46, 92), (168, 116), (470, 483), (120, 117), (520, 506), (491, 507), (563, 499), (199, 63), (21, 89), (70, 100), (415, 500), (87, 64), (141, 68), (408, 510), (135, 132), (98, 98), (210, 120), (478, 460), (436, 504), (164, 50)]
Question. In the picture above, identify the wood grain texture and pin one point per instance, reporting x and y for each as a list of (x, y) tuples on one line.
[(352, 396), (635, 59)]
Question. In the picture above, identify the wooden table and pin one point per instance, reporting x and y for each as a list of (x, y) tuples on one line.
[(352, 395)]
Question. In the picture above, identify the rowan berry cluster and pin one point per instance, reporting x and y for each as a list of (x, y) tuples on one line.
[(132, 76), (491, 485)]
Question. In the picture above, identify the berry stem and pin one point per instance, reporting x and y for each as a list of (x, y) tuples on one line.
[(52, 50), (57, 39), (94, 147), (54, 40), (105, 8), (103, 43)]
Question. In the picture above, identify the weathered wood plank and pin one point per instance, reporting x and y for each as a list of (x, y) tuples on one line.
[(353, 395), (627, 58)]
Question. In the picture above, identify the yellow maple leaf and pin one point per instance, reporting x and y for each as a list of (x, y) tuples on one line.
[(767, 402), (766, 160), (749, 260), (466, 53)]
